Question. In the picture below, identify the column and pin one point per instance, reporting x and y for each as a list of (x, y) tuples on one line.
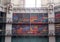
[(8, 25), (51, 25)]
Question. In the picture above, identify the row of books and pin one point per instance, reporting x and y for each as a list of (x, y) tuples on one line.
[(57, 17), (30, 18), (40, 29), (57, 27)]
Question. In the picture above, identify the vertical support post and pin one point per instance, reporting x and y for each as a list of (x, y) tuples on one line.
[(8, 26), (51, 21)]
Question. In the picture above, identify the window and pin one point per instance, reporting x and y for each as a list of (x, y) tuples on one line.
[(32, 3)]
